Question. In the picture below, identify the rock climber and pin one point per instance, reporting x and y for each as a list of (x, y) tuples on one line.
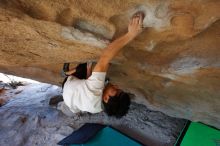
[(85, 89)]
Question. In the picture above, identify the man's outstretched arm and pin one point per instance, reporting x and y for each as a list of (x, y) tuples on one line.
[(134, 28)]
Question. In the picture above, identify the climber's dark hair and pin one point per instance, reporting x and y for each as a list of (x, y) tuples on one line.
[(117, 106), (81, 72)]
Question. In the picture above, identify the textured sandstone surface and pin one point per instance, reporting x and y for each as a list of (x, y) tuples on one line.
[(173, 66)]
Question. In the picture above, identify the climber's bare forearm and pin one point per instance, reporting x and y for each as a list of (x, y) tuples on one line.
[(111, 51), (113, 48)]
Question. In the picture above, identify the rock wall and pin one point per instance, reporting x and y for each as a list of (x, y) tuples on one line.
[(173, 66)]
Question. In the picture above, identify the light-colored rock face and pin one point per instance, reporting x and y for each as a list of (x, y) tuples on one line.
[(174, 64)]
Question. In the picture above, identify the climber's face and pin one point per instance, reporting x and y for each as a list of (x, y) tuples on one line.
[(110, 91)]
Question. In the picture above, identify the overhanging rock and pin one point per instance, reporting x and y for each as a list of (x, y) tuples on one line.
[(173, 66)]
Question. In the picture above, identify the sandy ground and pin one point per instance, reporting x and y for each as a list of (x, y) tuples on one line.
[(27, 120)]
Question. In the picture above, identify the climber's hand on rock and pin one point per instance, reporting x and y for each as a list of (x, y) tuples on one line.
[(135, 26)]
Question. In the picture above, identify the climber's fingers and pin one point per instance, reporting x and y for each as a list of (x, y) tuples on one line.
[(140, 22), (137, 19)]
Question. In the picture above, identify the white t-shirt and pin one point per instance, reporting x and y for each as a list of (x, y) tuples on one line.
[(84, 94)]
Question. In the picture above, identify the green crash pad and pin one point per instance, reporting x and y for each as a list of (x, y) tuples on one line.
[(109, 137), (199, 134)]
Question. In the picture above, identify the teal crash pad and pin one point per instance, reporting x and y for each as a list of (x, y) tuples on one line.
[(109, 137)]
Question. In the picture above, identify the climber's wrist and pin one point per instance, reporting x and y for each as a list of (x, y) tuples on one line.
[(130, 36)]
